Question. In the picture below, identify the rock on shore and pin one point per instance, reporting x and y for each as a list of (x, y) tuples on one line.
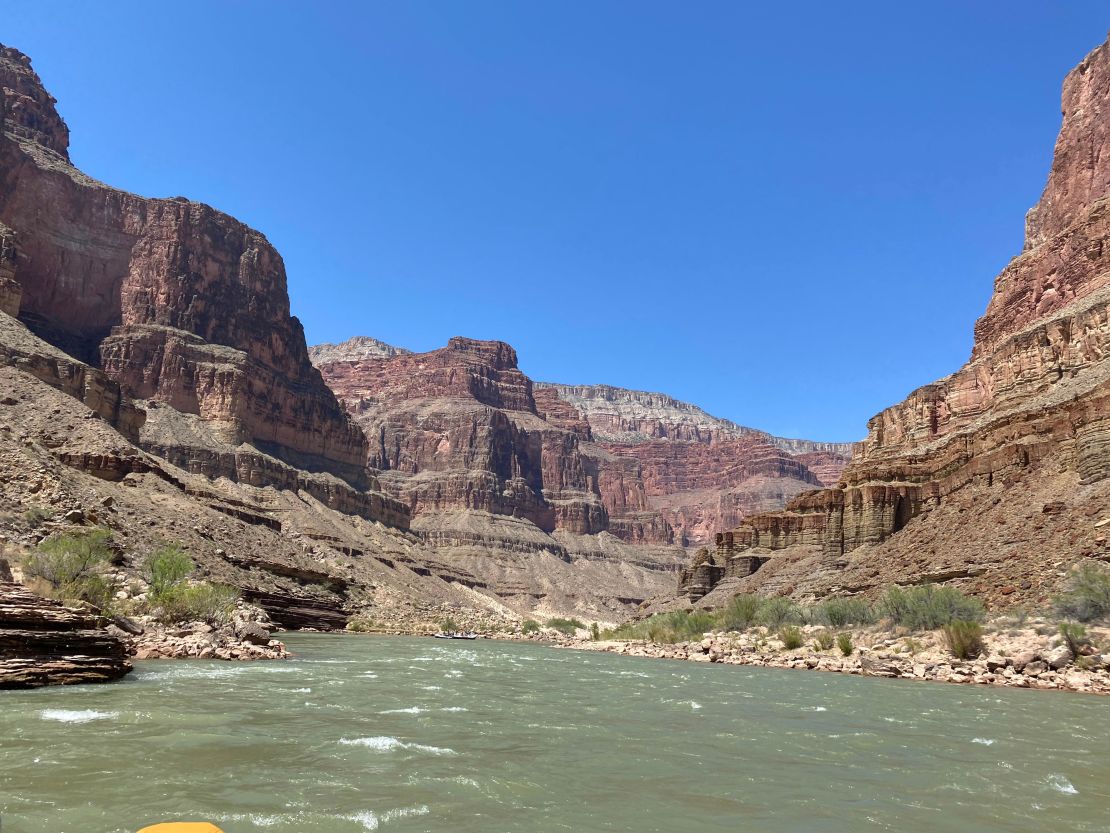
[(43, 642), (1017, 658)]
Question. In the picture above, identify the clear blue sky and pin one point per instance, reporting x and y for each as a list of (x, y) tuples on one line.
[(788, 213)]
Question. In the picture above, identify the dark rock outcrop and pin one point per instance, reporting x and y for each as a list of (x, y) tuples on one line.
[(43, 642)]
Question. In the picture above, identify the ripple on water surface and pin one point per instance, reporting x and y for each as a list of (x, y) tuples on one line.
[(406, 735)]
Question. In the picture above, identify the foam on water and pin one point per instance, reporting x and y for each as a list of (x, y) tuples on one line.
[(372, 821), (384, 743), (76, 716), (983, 741), (1062, 785)]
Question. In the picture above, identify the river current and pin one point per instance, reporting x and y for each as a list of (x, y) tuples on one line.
[(363, 733)]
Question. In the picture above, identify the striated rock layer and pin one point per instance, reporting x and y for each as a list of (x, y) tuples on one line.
[(997, 476), (699, 472), (43, 642), (173, 300), (513, 479)]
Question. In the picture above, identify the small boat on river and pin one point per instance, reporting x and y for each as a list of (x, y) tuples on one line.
[(456, 635)]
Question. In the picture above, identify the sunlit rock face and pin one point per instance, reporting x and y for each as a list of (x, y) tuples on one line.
[(996, 476), (173, 300)]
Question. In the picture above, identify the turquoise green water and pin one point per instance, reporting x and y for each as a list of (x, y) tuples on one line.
[(404, 734)]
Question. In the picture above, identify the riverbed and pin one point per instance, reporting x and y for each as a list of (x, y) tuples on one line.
[(363, 733)]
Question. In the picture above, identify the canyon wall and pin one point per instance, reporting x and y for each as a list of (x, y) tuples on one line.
[(699, 472), (173, 300), (995, 477), (485, 458)]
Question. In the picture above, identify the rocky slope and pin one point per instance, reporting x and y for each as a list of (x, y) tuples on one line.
[(996, 477)]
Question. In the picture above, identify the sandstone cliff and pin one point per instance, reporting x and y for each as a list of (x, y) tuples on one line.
[(699, 472), (173, 300), (995, 477)]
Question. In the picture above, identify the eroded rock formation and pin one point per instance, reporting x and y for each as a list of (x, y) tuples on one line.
[(700, 473), (996, 476), (43, 642), (173, 300)]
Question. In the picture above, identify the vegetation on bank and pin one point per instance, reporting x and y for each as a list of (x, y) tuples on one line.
[(927, 607), (75, 567)]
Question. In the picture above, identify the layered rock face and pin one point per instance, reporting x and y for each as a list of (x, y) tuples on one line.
[(699, 472), (458, 428), (173, 300), (463, 428), (998, 474), (42, 642)]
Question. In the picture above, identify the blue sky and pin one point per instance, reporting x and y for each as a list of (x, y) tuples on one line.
[(790, 214)]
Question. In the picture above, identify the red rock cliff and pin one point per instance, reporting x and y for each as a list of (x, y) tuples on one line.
[(176, 301), (998, 474)]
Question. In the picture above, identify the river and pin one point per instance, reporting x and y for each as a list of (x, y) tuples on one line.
[(363, 733)]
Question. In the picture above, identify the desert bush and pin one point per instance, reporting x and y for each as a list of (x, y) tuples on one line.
[(200, 602), (929, 606), (841, 612), (567, 627), (65, 559), (740, 613), (166, 568), (964, 638), (360, 625), (68, 567), (778, 611), (595, 632), (844, 643), (1087, 598), (823, 640), (530, 626), (448, 625), (677, 626), (36, 515), (1074, 636), (791, 636)]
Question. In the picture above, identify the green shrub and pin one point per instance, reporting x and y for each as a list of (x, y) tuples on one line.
[(841, 612), (201, 602), (166, 568), (929, 606), (964, 638), (740, 613), (1087, 598), (567, 627), (844, 643), (448, 625), (36, 516), (677, 626), (595, 632), (530, 626), (1074, 636), (361, 625), (66, 559), (791, 636), (68, 567), (823, 640), (778, 611)]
